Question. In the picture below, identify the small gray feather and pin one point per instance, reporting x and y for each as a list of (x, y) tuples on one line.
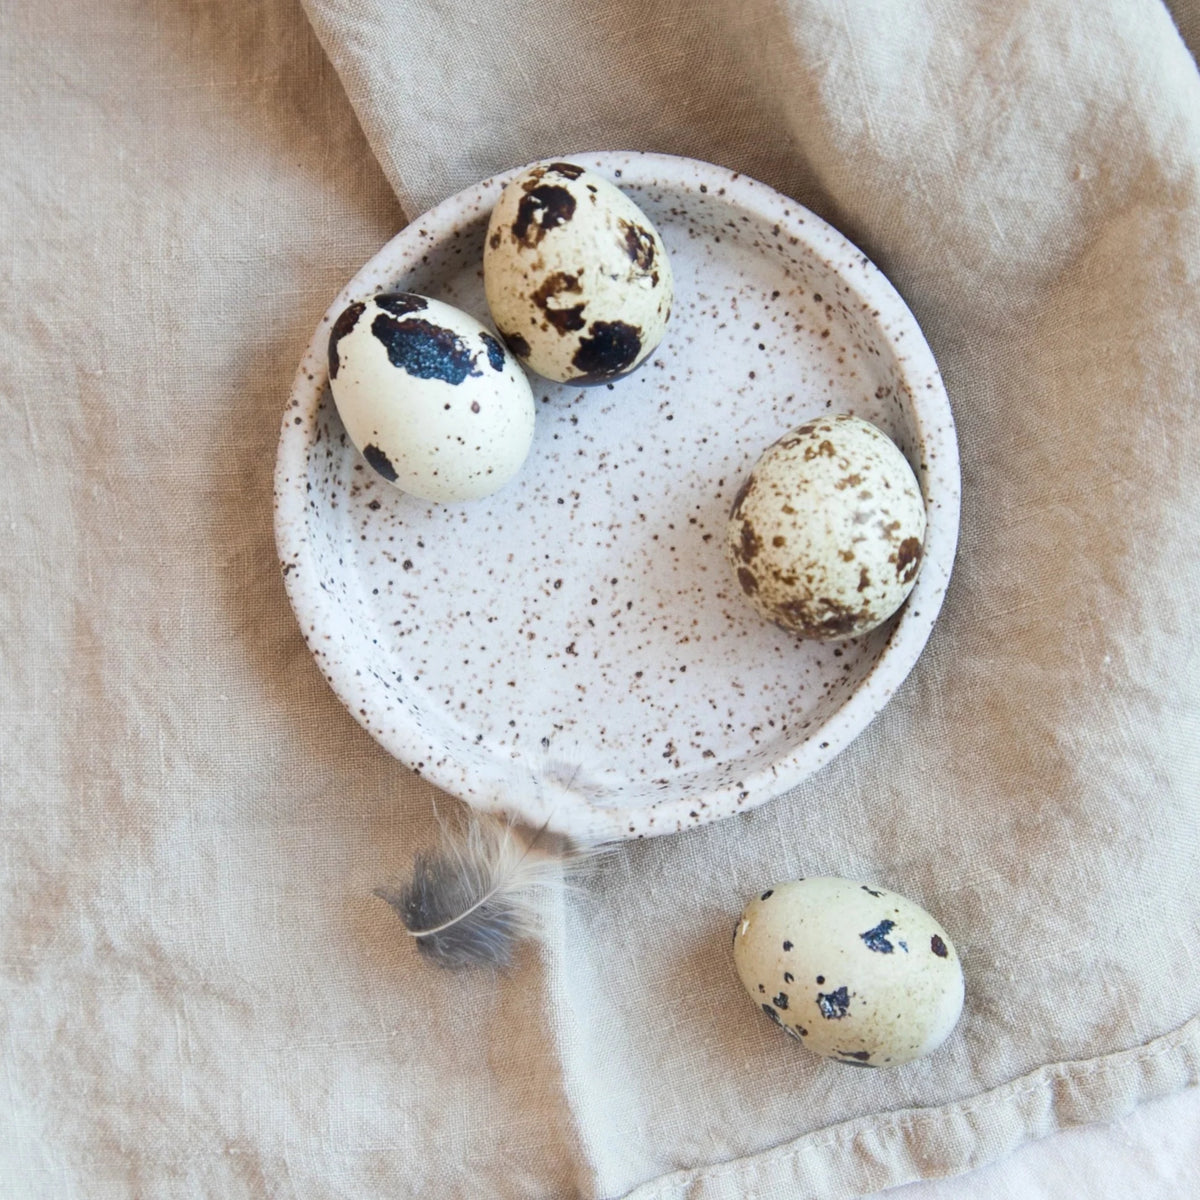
[(440, 891), (474, 897)]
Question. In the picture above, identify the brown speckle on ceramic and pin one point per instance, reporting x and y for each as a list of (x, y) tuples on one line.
[(575, 648)]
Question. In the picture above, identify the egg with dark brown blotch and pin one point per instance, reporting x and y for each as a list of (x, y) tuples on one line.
[(429, 396), (852, 971), (576, 276), (827, 533)]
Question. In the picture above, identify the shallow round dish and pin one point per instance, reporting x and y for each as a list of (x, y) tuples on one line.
[(574, 649)]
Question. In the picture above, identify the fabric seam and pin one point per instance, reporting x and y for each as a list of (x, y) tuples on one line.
[(1002, 1094)]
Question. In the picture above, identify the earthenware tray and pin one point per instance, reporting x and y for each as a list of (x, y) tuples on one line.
[(574, 649)]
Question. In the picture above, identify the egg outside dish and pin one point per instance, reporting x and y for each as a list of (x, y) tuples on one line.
[(854, 972)]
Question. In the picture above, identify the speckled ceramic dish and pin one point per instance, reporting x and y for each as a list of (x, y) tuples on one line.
[(574, 648)]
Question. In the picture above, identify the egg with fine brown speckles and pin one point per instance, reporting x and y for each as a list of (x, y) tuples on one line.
[(854, 972), (826, 534), (576, 276)]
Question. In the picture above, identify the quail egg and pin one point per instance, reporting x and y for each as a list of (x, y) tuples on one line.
[(576, 276), (855, 972), (826, 534), (429, 396)]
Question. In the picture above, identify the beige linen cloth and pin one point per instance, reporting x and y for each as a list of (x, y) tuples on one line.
[(200, 995)]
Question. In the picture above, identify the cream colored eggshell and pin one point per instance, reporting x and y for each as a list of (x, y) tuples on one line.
[(430, 397), (576, 276), (826, 535), (855, 972)]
